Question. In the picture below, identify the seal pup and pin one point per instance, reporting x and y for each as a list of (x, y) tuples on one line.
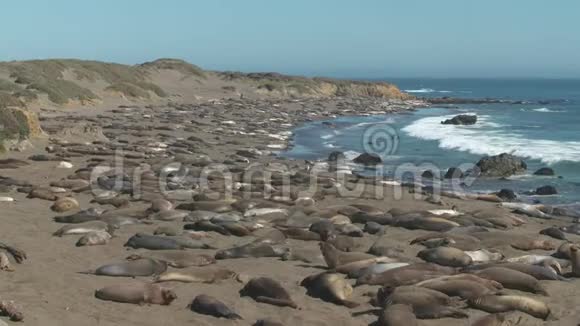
[(94, 238), (177, 258), (137, 293), (132, 268), (446, 256), (330, 287), (197, 275), (267, 290), (65, 204), (506, 303), (207, 305), (41, 193), (84, 228), (397, 315)]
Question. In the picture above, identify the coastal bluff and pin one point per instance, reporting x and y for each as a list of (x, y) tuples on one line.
[(26, 87)]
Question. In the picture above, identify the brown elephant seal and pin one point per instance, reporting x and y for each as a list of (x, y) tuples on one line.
[(267, 290), (133, 268), (539, 272), (84, 228), (455, 240), (196, 275), (330, 287), (42, 193), (94, 238), (207, 305), (507, 303), (177, 258), (405, 275), (563, 251), (555, 233), (211, 206), (513, 279), (575, 258), (426, 303), (251, 250), (465, 289), (489, 284), (65, 204), (535, 244), (335, 257), (137, 293), (397, 315), (446, 256), (167, 230), (91, 214), (117, 202), (300, 234), (425, 222), (160, 205)]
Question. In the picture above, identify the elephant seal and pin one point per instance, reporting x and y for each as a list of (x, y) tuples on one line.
[(361, 264), (211, 206), (166, 230), (300, 234), (446, 256), (536, 271), (94, 238), (455, 240), (397, 315), (251, 250), (160, 205), (155, 242), (575, 258), (335, 257), (484, 255), (329, 287), (137, 293), (512, 279), (426, 303), (197, 275), (170, 215), (267, 290), (563, 250), (376, 268), (91, 214), (465, 289), (555, 233), (207, 305), (405, 275), (177, 258), (506, 303), (425, 222), (41, 193), (65, 204), (84, 228), (133, 268), (533, 244), (489, 284)]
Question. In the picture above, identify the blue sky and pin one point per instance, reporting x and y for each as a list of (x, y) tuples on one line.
[(364, 38)]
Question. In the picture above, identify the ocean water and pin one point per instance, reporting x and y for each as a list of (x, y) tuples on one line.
[(544, 130)]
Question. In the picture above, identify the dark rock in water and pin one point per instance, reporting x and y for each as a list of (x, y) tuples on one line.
[(454, 173), (503, 165), (546, 191), (462, 119), (507, 195), (545, 171), (368, 159), (336, 156)]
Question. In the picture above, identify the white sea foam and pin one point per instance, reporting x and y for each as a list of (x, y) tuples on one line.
[(546, 110), (351, 155), (327, 136), (487, 139)]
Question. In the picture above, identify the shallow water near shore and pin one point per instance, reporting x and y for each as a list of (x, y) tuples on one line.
[(543, 129)]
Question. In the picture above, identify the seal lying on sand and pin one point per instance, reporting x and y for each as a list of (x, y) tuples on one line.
[(267, 290), (206, 305), (64, 205), (177, 258), (446, 256), (513, 279), (397, 315), (335, 257), (251, 250), (137, 293), (329, 287), (94, 238), (505, 303), (197, 275), (138, 267), (84, 228), (426, 303)]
